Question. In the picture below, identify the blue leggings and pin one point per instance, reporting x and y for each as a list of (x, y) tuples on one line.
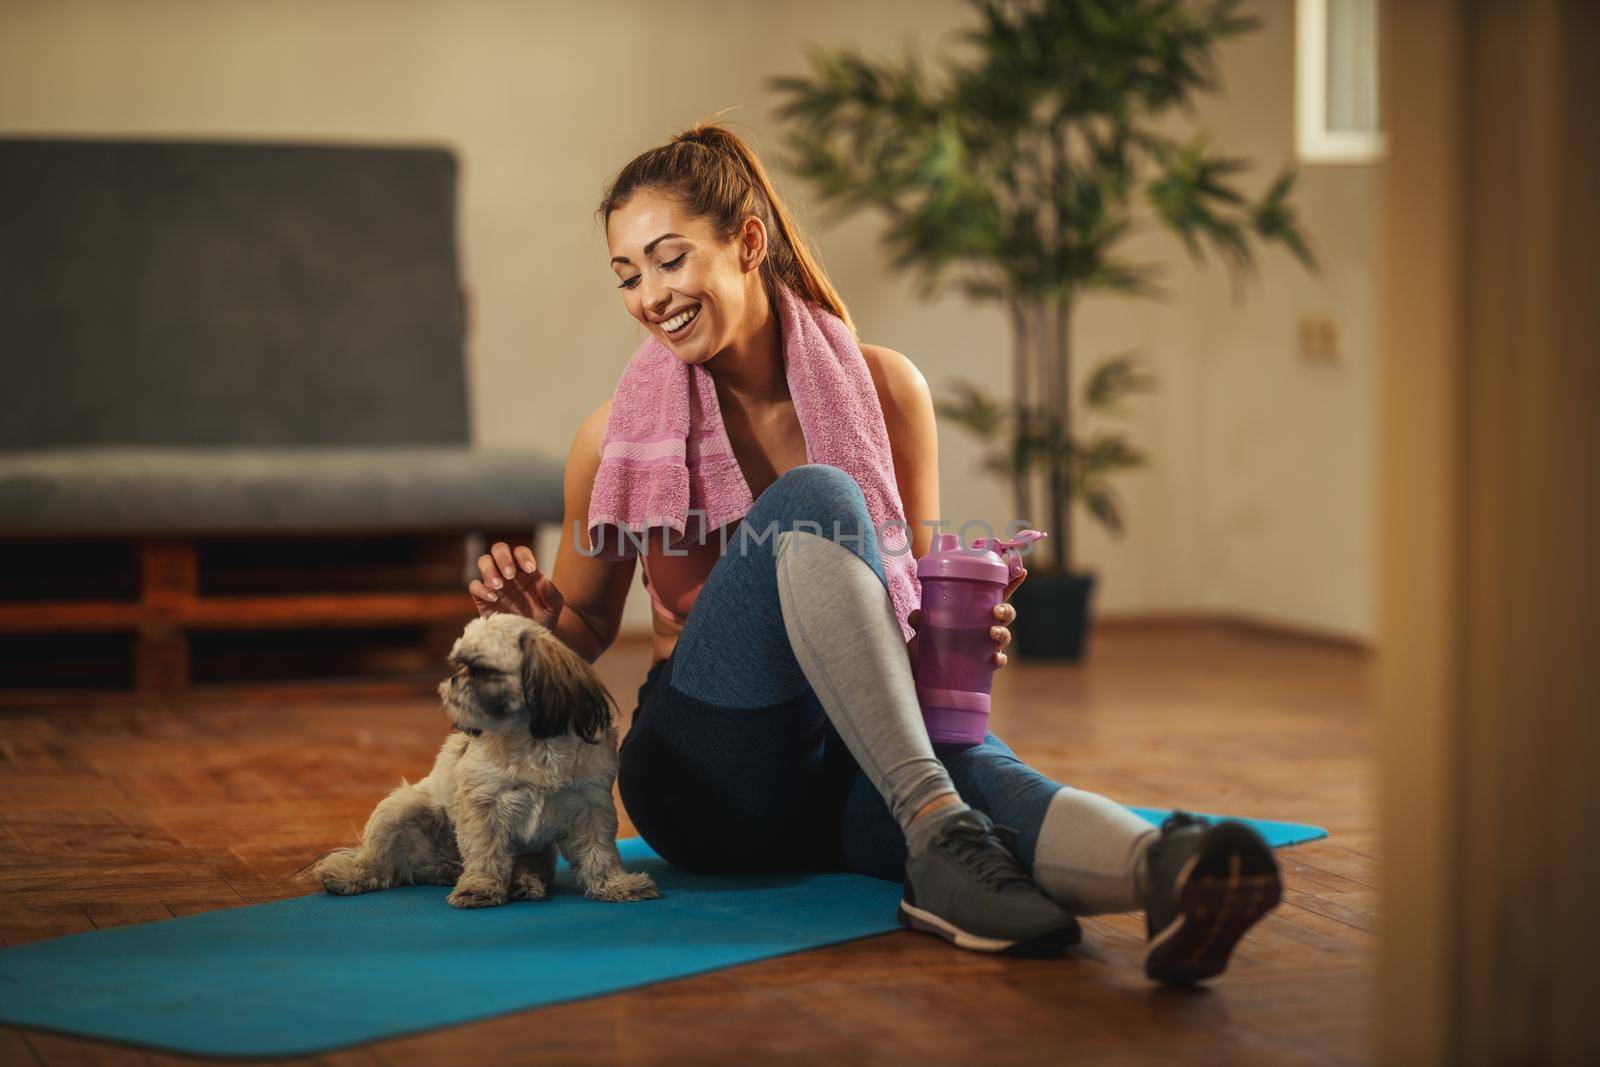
[(730, 764)]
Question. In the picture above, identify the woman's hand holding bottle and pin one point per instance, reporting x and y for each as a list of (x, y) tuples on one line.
[(1004, 613)]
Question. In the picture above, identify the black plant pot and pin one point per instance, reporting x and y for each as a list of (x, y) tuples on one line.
[(1052, 616)]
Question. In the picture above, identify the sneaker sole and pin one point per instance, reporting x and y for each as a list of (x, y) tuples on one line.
[(1053, 943), (1232, 885)]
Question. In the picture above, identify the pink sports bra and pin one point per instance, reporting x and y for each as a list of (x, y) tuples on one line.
[(674, 581)]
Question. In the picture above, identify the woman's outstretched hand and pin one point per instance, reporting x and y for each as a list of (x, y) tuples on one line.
[(510, 581), (1005, 614)]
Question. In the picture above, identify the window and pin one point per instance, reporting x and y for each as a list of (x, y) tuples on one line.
[(1336, 81)]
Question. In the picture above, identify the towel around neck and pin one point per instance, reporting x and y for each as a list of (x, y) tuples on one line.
[(666, 462)]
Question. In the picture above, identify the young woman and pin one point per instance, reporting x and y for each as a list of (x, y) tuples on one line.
[(779, 726)]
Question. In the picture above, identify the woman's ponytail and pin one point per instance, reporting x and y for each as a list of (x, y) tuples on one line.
[(720, 178)]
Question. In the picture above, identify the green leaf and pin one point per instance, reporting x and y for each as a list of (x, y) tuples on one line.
[(1275, 219), (1107, 453), (1114, 379), (971, 408), (1104, 505)]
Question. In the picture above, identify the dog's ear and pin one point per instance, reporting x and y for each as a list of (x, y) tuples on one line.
[(561, 693)]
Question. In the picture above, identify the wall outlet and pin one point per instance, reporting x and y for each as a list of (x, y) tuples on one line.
[(1319, 339)]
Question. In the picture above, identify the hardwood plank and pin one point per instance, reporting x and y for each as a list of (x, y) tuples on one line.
[(119, 913), (22, 920), (15, 1050)]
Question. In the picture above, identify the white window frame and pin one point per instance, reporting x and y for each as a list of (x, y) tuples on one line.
[(1314, 142)]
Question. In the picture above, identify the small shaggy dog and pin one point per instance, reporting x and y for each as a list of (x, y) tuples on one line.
[(530, 772)]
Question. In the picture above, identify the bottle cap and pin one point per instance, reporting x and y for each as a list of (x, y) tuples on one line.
[(1008, 548), (988, 559)]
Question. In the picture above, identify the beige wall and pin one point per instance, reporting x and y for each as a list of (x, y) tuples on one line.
[(1259, 497)]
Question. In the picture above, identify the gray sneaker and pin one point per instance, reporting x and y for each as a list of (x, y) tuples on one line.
[(1208, 884), (968, 888)]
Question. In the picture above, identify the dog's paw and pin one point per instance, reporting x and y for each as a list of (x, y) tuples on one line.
[(440, 873), (623, 886), (343, 873), (477, 894), (526, 885)]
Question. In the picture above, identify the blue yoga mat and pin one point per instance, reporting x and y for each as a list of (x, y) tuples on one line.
[(322, 972)]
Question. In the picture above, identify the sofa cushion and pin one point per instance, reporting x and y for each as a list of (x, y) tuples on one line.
[(187, 491), (214, 293)]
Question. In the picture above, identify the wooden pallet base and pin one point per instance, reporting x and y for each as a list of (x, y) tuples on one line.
[(171, 607)]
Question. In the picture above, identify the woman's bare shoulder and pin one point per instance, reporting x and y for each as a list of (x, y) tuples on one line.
[(583, 458), (899, 382), (591, 435)]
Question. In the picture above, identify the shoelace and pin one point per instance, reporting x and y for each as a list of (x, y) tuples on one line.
[(983, 852), (1178, 820)]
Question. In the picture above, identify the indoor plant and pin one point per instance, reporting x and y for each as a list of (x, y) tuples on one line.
[(1019, 173)]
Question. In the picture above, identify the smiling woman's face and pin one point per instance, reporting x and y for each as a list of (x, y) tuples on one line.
[(668, 264)]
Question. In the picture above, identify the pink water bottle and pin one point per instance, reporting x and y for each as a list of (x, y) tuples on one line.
[(955, 665)]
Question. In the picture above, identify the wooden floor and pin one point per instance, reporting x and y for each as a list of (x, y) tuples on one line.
[(109, 816)]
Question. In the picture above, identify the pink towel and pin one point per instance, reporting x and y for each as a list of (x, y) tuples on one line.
[(666, 453)]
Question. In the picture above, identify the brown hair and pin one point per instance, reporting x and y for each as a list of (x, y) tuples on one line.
[(716, 176)]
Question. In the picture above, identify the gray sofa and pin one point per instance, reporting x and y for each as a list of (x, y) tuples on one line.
[(213, 338)]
